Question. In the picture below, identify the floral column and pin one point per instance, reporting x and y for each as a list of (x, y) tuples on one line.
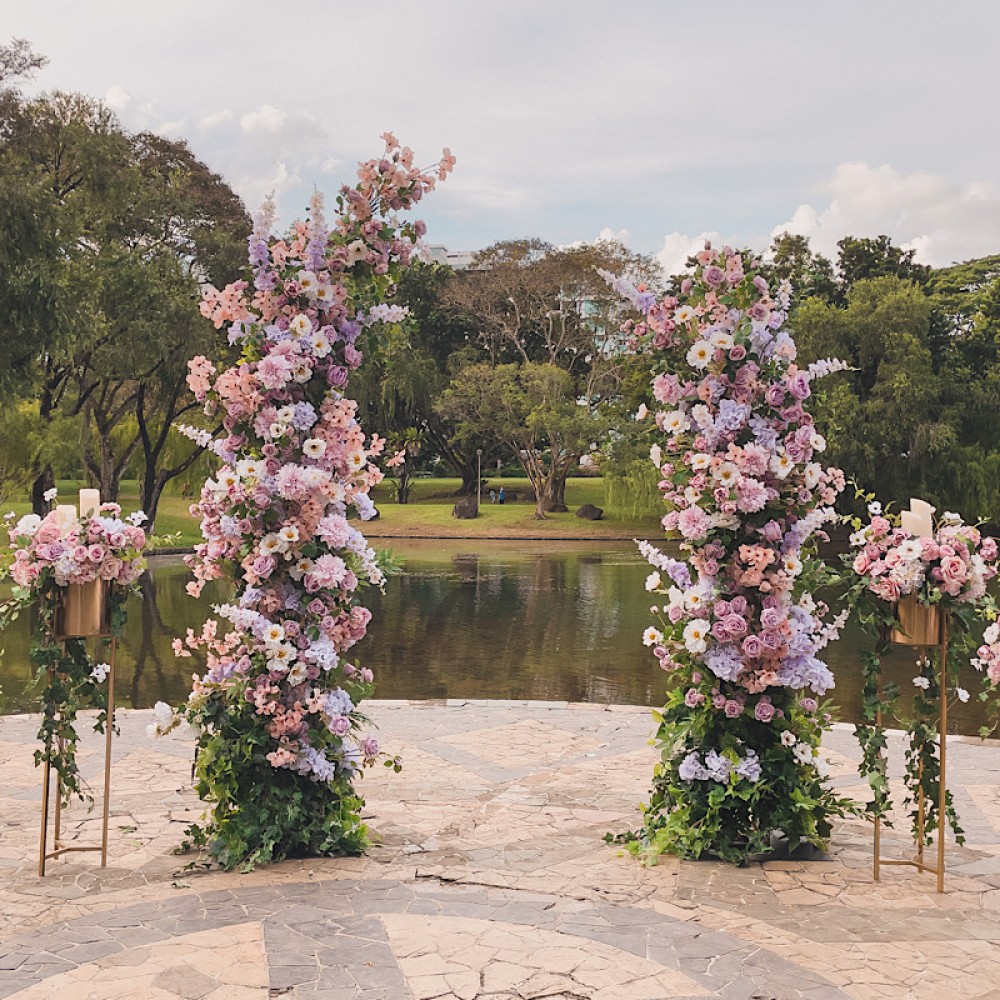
[(740, 629), (281, 738)]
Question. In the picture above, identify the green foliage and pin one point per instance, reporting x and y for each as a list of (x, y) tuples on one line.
[(62, 676), (530, 408), (109, 235), (631, 490), (734, 820), (259, 813)]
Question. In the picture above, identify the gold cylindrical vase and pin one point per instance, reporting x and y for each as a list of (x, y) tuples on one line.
[(919, 624), (84, 610)]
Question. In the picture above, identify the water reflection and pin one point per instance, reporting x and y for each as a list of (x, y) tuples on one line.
[(536, 620)]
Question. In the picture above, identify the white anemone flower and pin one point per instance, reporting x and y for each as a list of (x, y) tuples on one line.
[(674, 422), (314, 447), (300, 326), (700, 354), (270, 545), (696, 636)]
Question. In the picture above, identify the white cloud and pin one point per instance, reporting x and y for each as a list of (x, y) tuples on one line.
[(677, 247), (216, 119), (172, 130), (617, 235), (253, 188), (940, 218), (273, 124), (117, 97)]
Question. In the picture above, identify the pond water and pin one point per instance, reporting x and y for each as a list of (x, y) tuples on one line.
[(550, 621)]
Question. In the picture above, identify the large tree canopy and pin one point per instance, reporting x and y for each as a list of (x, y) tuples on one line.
[(109, 237)]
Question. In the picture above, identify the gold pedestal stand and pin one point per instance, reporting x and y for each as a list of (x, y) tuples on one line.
[(926, 626), (83, 615)]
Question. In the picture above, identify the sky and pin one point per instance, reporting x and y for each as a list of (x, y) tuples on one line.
[(661, 122)]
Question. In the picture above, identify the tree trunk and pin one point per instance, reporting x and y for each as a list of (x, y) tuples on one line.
[(44, 477), (44, 480), (557, 498), (403, 488)]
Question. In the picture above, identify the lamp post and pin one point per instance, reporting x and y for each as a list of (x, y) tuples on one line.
[(479, 477)]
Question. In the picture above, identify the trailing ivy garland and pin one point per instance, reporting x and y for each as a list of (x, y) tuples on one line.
[(949, 571)]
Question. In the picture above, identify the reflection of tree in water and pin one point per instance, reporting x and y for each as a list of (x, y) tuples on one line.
[(494, 625), (147, 651)]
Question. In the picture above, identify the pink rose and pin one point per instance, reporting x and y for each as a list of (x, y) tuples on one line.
[(763, 711), (753, 646), (110, 568), (953, 569)]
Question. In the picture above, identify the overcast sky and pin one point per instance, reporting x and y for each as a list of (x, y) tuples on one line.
[(656, 121)]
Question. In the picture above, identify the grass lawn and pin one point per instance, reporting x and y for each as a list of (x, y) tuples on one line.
[(428, 514)]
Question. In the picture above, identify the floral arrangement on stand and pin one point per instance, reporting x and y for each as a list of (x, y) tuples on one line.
[(947, 566), (46, 556), (281, 739), (739, 631)]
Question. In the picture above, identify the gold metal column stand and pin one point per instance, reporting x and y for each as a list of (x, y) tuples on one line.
[(80, 629), (927, 627)]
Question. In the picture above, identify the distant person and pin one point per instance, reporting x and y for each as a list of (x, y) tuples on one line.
[(501, 496), (186, 492), (493, 496)]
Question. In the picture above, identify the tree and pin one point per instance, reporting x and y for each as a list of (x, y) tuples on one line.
[(528, 303), (408, 370), (882, 420), (863, 258), (121, 230), (531, 409), (811, 275), (18, 61)]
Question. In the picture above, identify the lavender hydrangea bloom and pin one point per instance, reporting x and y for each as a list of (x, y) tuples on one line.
[(304, 416), (763, 433), (725, 661), (350, 331), (337, 702), (806, 671), (691, 768), (732, 416), (749, 766), (718, 766), (314, 763)]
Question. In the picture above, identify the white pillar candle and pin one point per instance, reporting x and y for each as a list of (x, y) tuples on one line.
[(65, 514), (924, 512), (90, 502), (911, 521)]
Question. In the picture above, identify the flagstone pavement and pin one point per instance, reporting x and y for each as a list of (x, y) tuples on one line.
[(490, 881)]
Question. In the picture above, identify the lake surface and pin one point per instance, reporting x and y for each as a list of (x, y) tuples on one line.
[(549, 621)]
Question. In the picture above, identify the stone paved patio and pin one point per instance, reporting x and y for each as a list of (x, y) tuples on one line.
[(490, 882)]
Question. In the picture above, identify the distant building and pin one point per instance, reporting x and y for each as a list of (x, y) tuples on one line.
[(458, 259)]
